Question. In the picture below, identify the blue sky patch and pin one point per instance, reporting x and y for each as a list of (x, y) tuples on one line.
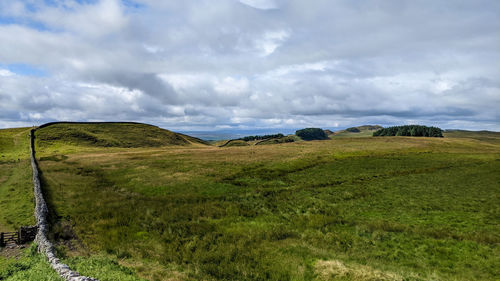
[(25, 69), (24, 22)]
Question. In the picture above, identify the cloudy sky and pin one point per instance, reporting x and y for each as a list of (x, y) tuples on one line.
[(250, 64)]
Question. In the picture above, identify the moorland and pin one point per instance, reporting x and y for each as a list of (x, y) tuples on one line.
[(135, 202)]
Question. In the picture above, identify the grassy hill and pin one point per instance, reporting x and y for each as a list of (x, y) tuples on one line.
[(111, 135), (286, 139), (232, 143), (478, 135), (356, 132), (351, 209)]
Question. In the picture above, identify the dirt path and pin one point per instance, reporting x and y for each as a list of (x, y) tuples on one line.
[(10, 252)]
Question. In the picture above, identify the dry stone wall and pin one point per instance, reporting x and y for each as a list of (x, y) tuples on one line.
[(41, 213)]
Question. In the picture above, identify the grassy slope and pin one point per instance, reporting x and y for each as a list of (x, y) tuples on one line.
[(16, 196), (16, 205), (232, 143), (347, 209), (62, 137), (486, 136), (91, 138)]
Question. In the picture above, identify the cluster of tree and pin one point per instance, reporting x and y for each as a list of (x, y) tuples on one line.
[(312, 134), (410, 130), (264, 137)]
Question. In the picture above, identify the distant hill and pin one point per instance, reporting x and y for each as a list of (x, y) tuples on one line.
[(328, 132), (110, 134), (286, 139), (236, 142), (479, 135), (258, 140), (355, 132)]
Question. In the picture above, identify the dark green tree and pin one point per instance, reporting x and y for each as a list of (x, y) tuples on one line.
[(410, 130), (312, 134)]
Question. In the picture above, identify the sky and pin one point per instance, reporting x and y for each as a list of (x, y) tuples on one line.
[(208, 65)]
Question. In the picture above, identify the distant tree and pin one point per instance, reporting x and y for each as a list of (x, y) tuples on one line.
[(410, 130), (312, 134), (264, 137)]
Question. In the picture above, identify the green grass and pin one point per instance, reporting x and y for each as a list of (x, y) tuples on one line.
[(16, 196), (235, 143), (29, 266), (110, 135), (102, 268), (345, 209), (17, 207), (486, 136)]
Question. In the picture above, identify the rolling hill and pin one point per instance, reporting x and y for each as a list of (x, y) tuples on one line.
[(478, 135), (111, 134), (133, 202), (355, 132)]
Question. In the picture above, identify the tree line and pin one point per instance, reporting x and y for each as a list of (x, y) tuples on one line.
[(410, 131), (264, 137)]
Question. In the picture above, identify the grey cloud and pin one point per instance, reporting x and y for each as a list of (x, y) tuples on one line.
[(254, 63), (148, 83)]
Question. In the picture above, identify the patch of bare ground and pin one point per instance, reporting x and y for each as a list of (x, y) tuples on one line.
[(336, 270), (12, 251), (153, 270), (3, 179)]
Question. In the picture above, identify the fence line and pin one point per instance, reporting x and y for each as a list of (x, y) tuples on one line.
[(24, 235)]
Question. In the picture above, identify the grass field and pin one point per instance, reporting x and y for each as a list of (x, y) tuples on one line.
[(26, 265), (16, 208), (16, 196), (387, 208)]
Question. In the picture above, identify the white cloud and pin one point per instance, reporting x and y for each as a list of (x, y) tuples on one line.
[(12, 8), (442, 86), (5, 72), (152, 48), (102, 18), (261, 4), (183, 81), (215, 64), (232, 86), (270, 41), (302, 68)]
